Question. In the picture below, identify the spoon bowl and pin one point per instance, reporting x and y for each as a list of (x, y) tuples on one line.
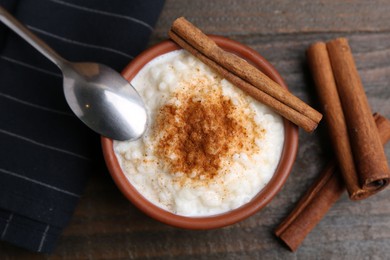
[(104, 100)]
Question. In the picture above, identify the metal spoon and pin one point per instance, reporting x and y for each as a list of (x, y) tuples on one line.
[(97, 94)]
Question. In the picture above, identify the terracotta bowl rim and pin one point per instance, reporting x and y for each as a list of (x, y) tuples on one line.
[(216, 221)]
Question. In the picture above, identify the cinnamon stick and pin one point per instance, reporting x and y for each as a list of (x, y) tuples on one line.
[(373, 173), (321, 69), (244, 75), (287, 112), (316, 202)]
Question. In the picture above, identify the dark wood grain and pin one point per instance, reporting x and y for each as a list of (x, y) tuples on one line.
[(106, 226)]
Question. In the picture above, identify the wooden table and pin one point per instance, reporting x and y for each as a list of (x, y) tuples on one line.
[(106, 226)]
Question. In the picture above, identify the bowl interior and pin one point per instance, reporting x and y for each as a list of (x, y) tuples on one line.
[(224, 219)]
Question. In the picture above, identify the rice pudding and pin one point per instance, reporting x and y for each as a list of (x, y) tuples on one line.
[(210, 148)]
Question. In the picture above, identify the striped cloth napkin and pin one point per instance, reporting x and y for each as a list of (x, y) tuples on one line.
[(46, 153)]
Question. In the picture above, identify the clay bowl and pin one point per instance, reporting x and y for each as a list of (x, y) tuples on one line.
[(231, 217)]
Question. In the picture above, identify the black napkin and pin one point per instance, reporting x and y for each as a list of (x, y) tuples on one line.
[(46, 153)]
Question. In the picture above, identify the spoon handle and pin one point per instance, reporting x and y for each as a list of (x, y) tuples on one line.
[(30, 37)]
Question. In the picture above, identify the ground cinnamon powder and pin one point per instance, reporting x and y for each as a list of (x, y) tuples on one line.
[(206, 128)]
